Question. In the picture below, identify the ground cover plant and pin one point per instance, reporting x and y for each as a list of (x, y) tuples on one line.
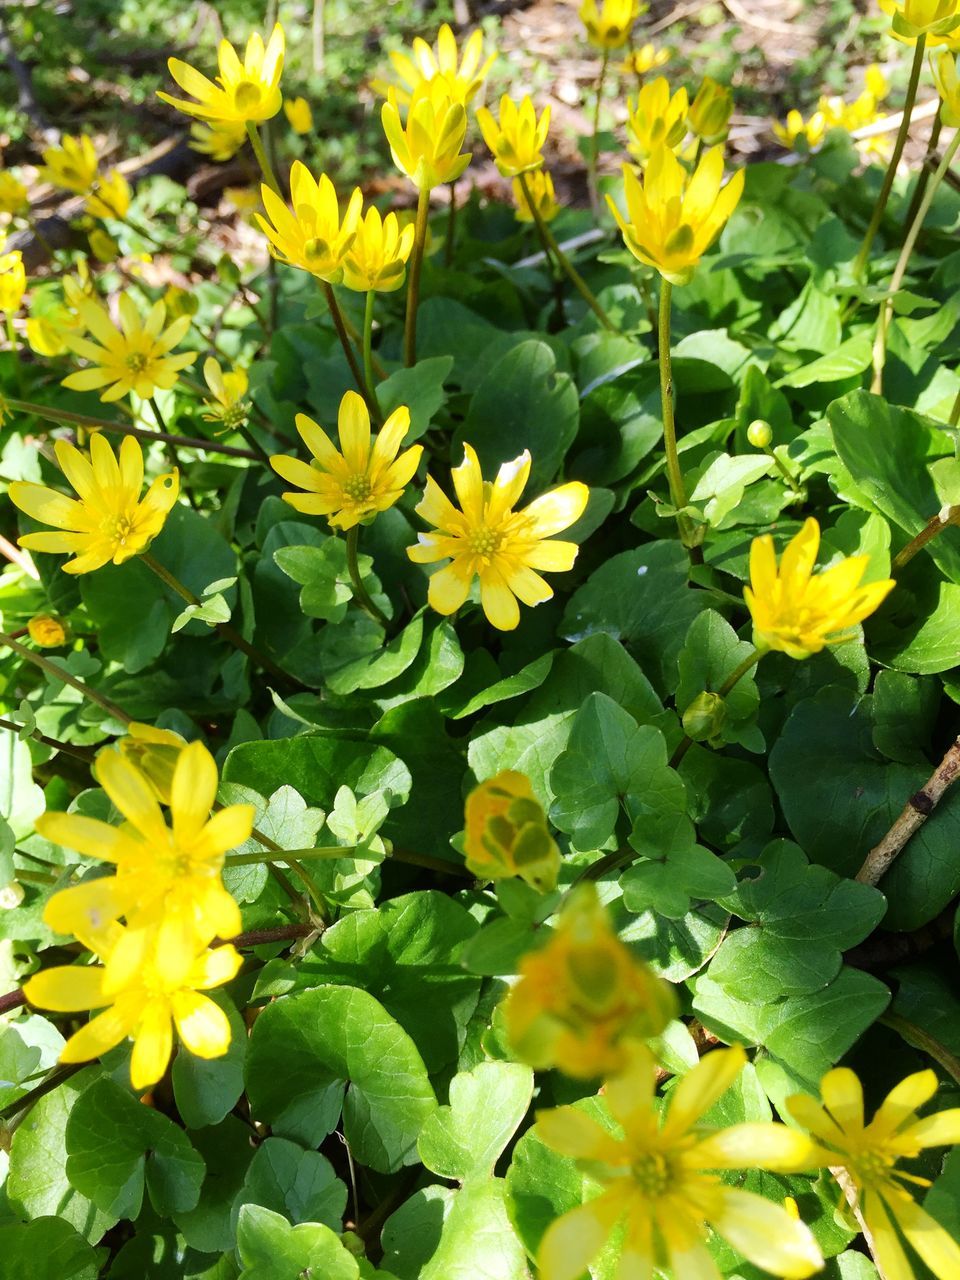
[(479, 684)]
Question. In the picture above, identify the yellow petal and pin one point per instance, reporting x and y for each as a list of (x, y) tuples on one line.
[(99, 1036), (192, 792), (935, 1246), (573, 1241), (498, 601), (449, 587), (701, 1087), (202, 1025), (132, 794), (353, 425), (842, 1095), (766, 1234), (66, 989), (152, 1045), (756, 1145), (557, 510)]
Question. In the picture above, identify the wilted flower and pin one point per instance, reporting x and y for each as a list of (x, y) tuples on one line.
[(609, 22), (298, 113), (312, 237), (248, 91), (13, 282), (72, 165), (378, 256), (427, 148), (136, 356), (542, 194), (228, 390), (710, 112), (658, 119), (516, 142), (507, 833), (219, 141), (48, 631), (461, 78)]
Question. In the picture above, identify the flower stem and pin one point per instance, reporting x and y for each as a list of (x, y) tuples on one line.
[(737, 674), (900, 270), (925, 172), (263, 160), (60, 673), (942, 520), (678, 491), (880, 207), (573, 275), (340, 325), (595, 139), (450, 240), (955, 411), (359, 590), (413, 279), (371, 380), (274, 854), (68, 748)]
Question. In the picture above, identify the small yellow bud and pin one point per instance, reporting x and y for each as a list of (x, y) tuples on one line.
[(710, 112), (48, 631), (760, 434), (507, 833)]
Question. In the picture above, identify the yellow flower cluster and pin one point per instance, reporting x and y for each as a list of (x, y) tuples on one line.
[(836, 113), (461, 75)]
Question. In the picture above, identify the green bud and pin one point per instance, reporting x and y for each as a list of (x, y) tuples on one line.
[(760, 434), (704, 717)]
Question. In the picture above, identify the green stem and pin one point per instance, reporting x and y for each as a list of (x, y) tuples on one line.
[(925, 172), (888, 178), (59, 673), (263, 160), (595, 139), (359, 590), (955, 411), (449, 242), (678, 490), (781, 466), (276, 854), (737, 674), (573, 275), (926, 1043), (371, 380), (11, 333), (68, 748), (413, 279), (340, 325)]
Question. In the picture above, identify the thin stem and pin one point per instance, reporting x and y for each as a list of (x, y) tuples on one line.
[(413, 279), (60, 673), (359, 590), (678, 490), (325, 853), (161, 425), (450, 241), (282, 855), (573, 275), (595, 139), (263, 160), (942, 520), (68, 748), (260, 937), (925, 171), (12, 1000), (880, 207), (368, 351), (737, 674), (784, 471), (340, 325), (922, 1040)]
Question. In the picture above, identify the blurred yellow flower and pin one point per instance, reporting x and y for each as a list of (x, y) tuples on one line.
[(487, 539), (46, 331), (870, 1154), (110, 197), (710, 112), (13, 282), (912, 18), (312, 237), (154, 753), (610, 22), (461, 78), (109, 522), (507, 834), (584, 1002), (219, 141), (378, 256), (229, 390), (516, 142), (948, 86), (13, 194), (48, 631), (134, 357), (658, 119), (798, 612), (247, 92), (875, 82), (639, 62), (298, 113), (72, 165), (795, 128), (103, 247), (661, 1180), (540, 184), (427, 147), (350, 485)]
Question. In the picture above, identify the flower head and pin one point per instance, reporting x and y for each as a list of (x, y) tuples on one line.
[(912, 18), (109, 522), (799, 612), (298, 113), (870, 1154), (377, 259), (312, 237), (48, 631), (507, 833), (795, 128), (247, 92), (427, 148), (350, 485), (609, 22), (487, 539), (516, 142), (673, 218), (584, 1001), (461, 78), (220, 141), (710, 112), (639, 62), (110, 197), (229, 390), (658, 119), (542, 194), (660, 1181), (948, 86), (13, 282), (134, 357), (72, 165), (13, 194), (154, 753)]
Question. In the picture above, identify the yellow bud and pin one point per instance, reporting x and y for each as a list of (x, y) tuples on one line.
[(48, 631), (154, 752), (507, 834), (710, 112)]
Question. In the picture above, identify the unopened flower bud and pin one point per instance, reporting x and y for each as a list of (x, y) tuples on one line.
[(760, 434), (704, 717), (48, 631), (154, 752), (710, 112), (507, 834)]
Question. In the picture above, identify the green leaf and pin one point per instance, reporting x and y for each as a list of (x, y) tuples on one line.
[(284, 818), (477, 1241), (721, 486), (304, 1051), (674, 872), (207, 1089), (846, 361), (931, 642), (226, 1151), (373, 670), (523, 681), (212, 611), (317, 767), (711, 652), (300, 1184), (271, 1249), (676, 949), (323, 576), (411, 1234), (46, 1249), (465, 1139), (904, 713), (730, 799), (420, 389)]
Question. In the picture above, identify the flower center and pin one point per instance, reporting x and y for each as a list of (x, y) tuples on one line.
[(246, 95), (873, 1166), (136, 362), (484, 542), (316, 249), (651, 1174), (357, 488), (119, 529)]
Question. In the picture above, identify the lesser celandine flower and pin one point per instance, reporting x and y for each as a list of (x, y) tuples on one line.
[(710, 112), (135, 356), (913, 18), (247, 92), (488, 540), (377, 259), (46, 332), (948, 86), (660, 1181), (516, 140), (507, 834), (639, 62), (584, 1002), (795, 128), (542, 194), (298, 113), (427, 147), (154, 752), (461, 78), (48, 631), (350, 485), (228, 390), (72, 165), (13, 194), (219, 141), (870, 1154), (797, 611), (109, 522), (659, 118), (110, 197), (13, 282), (673, 218), (312, 237), (609, 22)]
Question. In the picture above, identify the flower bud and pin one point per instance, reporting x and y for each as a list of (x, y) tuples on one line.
[(704, 717), (154, 752), (48, 631), (507, 834), (710, 112), (760, 434)]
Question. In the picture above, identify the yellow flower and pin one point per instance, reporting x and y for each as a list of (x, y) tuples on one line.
[(350, 485), (146, 988), (46, 332), (544, 197), (912, 18), (461, 78), (609, 24), (710, 112), (875, 82), (228, 390), (312, 237), (72, 165), (109, 522), (488, 540), (134, 357), (517, 141), (110, 197), (507, 833), (798, 612), (13, 281), (812, 131), (427, 147), (643, 60), (378, 256), (584, 1002), (673, 217), (48, 631), (870, 1154), (218, 141), (948, 86), (13, 194), (658, 119), (247, 91), (660, 1181), (154, 753), (298, 113), (103, 247)]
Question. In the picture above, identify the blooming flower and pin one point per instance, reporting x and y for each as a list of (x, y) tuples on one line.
[(72, 165), (228, 391), (298, 113), (48, 631), (870, 1154), (673, 217), (427, 147), (643, 60), (13, 281), (110, 197), (488, 540), (378, 256), (710, 112), (658, 119), (134, 357), (109, 522), (609, 23), (516, 142), (507, 833), (248, 91), (350, 485), (312, 237), (584, 1001), (220, 141), (933, 18), (145, 988), (154, 753), (798, 612), (542, 194), (461, 78), (660, 1180), (13, 194), (812, 131)]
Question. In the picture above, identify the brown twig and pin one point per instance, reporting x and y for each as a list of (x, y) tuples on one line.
[(12, 1000)]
